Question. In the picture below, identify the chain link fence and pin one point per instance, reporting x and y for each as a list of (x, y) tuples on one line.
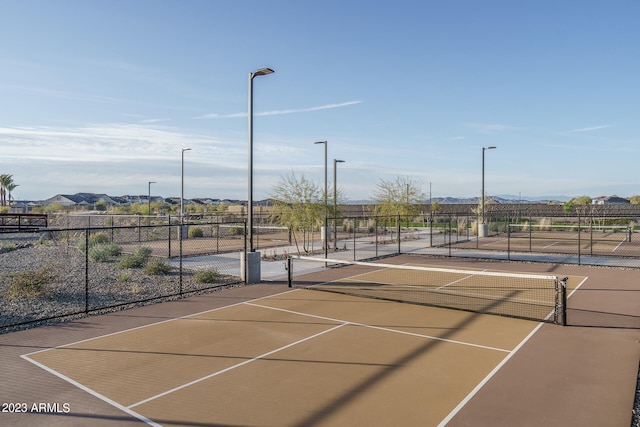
[(63, 272), (605, 240), (84, 264)]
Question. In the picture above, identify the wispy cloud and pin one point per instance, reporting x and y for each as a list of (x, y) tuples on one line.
[(154, 120), (279, 112), (490, 128), (589, 129), (32, 90)]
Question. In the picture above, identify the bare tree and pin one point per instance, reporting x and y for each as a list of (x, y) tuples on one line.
[(298, 205), (399, 196)]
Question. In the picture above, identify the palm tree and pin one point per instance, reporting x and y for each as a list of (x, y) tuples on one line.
[(6, 187), (9, 188), (5, 181)]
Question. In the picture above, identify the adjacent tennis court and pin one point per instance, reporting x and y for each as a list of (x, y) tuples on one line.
[(299, 357), (586, 240)]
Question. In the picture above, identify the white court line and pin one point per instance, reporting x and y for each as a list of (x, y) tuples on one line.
[(342, 324), (186, 316), (262, 356), (617, 246), (486, 379), (102, 397), (454, 282), (252, 303), (382, 328), (93, 392)]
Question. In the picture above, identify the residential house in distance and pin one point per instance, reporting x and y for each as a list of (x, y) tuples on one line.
[(140, 199), (86, 200), (610, 200)]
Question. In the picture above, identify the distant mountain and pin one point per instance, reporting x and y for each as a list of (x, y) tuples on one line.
[(538, 199)]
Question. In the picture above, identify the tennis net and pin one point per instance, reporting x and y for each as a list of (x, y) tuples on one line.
[(526, 296)]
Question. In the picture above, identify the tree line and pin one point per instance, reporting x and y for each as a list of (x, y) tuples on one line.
[(302, 206)]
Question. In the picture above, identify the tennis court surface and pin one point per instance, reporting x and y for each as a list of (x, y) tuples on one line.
[(270, 355)]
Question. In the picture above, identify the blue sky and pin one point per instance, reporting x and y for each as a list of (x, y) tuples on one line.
[(101, 96)]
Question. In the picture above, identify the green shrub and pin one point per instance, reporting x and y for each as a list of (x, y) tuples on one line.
[(137, 260), (30, 283), (104, 251), (143, 252), (195, 232), (157, 266), (98, 238), (94, 239), (208, 275), (44, 240), (8, 247), (236, 231)]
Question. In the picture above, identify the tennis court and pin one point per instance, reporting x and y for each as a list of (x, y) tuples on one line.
[(604, 241), (269, 355)]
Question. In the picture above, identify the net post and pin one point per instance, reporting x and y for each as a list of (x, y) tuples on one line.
[(289, 272), (563, 299)]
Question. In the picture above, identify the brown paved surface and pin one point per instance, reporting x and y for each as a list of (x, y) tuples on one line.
[(562, 376)]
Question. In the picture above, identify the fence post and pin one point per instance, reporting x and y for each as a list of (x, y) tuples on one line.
[(86, 271), (449, 232), (375, 228), (591, 235), (354, 239), (579, 240), (508, 241), (430, 229), (398, 233)]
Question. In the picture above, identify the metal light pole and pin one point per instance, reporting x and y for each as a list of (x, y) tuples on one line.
[(324, 232), (335, 202), (182, 185), (251, 258), (260, 72), (482, 207)]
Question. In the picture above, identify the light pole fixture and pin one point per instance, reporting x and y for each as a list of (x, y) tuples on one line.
[(482, 207), (260, 72), (324, 237), (335, 202), (182, 184), (149, 199)]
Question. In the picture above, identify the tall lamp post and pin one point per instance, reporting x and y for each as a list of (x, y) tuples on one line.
[(249, 269), (324, 231), (182, 185), (484, 227), (335, 202)]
